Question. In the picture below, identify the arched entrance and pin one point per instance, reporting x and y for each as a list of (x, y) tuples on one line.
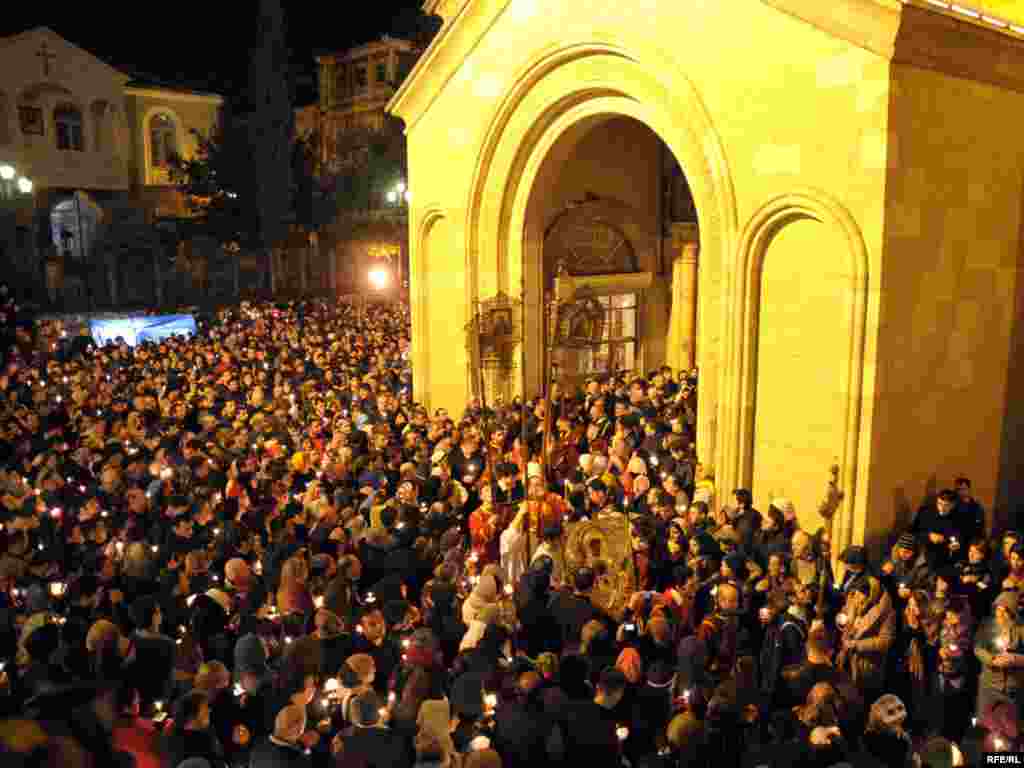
[(602, 199), (554, 104)]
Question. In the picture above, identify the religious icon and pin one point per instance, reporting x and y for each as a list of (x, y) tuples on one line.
[(501, 322)]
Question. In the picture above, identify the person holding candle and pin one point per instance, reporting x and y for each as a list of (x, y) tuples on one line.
[(999, 646)]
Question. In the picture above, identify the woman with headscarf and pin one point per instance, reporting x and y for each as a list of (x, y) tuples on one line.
[(999, 646), (868, 629), (486, 592), (916, 657), (293, 594)]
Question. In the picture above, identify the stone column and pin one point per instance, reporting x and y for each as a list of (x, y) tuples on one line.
[(682, 337)]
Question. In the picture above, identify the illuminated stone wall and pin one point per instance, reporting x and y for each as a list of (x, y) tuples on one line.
[(790, 121)]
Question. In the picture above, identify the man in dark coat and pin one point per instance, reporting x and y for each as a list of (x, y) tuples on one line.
[(378, 746), (572, 611), (284, 748)]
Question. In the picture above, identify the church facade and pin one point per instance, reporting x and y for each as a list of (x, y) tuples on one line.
[(91, 139), (841, 257)]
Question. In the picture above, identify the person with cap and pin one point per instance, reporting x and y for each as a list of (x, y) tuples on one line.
[(907, 569), (854, 560)]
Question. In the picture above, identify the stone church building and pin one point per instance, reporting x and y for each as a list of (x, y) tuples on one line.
[(95, 142), (819, 204)]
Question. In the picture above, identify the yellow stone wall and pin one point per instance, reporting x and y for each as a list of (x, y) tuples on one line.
[(950, 309), (792, 139), (790, 107)]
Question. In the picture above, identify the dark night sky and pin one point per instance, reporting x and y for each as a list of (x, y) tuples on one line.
[(200, 44)]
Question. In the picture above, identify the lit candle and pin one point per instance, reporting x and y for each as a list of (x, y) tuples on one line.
[(841, 619), (508, 589), (154, 549), (159, 705), (490, 701), (318, 601), (622, 732)]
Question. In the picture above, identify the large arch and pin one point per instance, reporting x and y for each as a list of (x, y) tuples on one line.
[(563, 87), (424, 252), (759, 232)]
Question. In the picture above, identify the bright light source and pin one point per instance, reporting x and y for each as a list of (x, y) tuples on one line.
[(401, 186), (393, 196), (24, 186), (379, 279), (407, 196), (7, 172)]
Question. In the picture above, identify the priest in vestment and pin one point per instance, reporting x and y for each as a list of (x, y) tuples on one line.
[(540, 510), (484, 528)]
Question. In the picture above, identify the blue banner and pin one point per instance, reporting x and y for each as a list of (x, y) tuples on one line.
[(143, 328)]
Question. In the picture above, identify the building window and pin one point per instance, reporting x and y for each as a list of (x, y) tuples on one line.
[(68, 121), (382, 73), (163, 141), (361, 79)]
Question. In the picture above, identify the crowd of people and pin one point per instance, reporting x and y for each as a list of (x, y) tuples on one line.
[(254, 547)]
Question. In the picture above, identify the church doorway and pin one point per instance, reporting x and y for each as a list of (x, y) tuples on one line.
[(615, 235)]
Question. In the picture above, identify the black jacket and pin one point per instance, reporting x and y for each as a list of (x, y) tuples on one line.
[(272, 755), (379, 747)]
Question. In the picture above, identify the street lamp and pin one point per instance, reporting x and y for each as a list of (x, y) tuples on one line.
[(8, 187)]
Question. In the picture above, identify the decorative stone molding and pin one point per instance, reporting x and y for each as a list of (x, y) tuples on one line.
[(960, 48), (429, 218), (909, 34), (651, 88), (765, 224), (461, 33), (868, 24)]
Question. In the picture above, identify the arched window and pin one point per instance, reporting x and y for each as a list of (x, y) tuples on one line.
[(163, 141), (68, 121)]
